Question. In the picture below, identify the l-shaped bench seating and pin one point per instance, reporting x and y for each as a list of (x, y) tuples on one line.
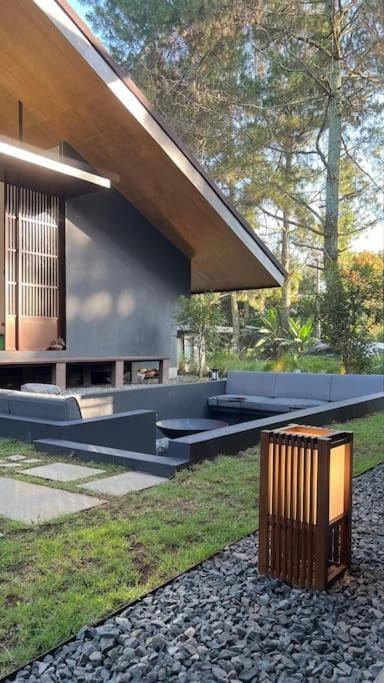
[(272, 393)]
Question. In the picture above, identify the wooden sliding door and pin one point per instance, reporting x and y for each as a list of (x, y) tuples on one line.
[(34, 274)]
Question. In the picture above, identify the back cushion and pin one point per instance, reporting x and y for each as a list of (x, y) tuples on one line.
[(303, 385), (351, 386), (44, 407), (4, 401), (251, 383)]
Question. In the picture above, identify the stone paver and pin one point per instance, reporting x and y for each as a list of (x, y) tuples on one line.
[(16, 458), (10, 465), (62, 471), (224, 622), (120, 484), (32, 503), (30, 461)]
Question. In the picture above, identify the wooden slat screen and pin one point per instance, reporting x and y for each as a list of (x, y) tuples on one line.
[(32, 239)]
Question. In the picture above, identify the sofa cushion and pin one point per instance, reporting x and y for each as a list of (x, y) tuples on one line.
[(40, 388), (236, 401), (282, 405), (313, 386), (43, 406), (344, 387), (4, 401), (251, 383)]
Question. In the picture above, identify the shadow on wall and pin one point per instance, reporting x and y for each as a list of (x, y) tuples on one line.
[(123, 280)]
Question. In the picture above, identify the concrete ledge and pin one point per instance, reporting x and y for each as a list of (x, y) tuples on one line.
[(232, 439), (134, 430), (141, 462)]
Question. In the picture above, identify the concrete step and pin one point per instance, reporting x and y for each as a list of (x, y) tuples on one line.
[(162, 466)]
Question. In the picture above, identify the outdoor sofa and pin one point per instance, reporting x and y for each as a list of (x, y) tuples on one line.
[(271, 393)]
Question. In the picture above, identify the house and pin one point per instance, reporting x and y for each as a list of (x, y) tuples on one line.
[(105, 219)]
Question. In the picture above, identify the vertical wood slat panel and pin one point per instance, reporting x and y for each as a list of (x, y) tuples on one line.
[(33, 267), (37, 253)]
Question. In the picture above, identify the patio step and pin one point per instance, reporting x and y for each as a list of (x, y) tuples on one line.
[(161, 466)]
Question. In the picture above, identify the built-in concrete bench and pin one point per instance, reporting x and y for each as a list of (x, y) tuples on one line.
[(272, 393), (30, 416)]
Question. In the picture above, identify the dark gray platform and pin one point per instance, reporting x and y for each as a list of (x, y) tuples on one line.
[(161, 466)]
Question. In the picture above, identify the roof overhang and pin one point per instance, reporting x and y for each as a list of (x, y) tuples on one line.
[(103, 115), (26, 165)]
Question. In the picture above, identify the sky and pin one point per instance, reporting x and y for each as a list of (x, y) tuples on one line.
[(371, 240), (78, 7)]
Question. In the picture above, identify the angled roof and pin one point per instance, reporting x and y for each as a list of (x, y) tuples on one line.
[(65, 77)]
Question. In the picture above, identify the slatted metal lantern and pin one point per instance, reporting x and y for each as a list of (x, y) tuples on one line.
[(305, 505)]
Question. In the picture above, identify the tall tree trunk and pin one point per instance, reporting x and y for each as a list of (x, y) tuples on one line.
[(331, 232), (285, 251), (235, 323)]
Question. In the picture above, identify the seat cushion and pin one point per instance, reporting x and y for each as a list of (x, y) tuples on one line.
[(251, 383), (311, 386), (235, 401), (282, 405), (344, 387)]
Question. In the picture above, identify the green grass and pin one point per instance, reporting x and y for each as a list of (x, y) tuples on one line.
[(56, 577)]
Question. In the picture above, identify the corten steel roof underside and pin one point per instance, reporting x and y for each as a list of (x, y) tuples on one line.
[(69, 83)]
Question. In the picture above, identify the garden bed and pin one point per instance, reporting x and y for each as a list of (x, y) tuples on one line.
[(61, 575)]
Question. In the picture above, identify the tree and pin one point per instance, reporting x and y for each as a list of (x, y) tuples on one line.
[(280, 100), (201, 315), (351, 306)]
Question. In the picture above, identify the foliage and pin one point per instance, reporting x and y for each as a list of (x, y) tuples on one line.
[(56, 577), (271, 335), (280, 100), (300, 335), (350, 307), (226, 361), (201, 315), (274, 339)]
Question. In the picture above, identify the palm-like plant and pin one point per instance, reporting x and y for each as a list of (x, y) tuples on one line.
[(300, 335), (271, 335), (274, 339)]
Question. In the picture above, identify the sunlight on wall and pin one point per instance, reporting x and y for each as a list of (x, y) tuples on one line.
[(126, 304)]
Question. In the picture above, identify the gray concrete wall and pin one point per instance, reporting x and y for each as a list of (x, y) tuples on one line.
[(235, 438), (123, 280), (177, 400), (134, 430)]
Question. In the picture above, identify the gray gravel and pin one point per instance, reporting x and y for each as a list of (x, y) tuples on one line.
[(224, 622), (102, 388)]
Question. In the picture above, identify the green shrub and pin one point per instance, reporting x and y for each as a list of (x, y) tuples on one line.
[(226, 361)]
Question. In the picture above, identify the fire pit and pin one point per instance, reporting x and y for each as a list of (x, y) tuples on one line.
[(184, 426)]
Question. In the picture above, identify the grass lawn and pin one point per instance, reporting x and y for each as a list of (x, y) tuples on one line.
[(56, 577)]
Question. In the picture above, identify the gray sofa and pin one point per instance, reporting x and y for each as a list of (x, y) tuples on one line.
[(272, 393), (42, 406)]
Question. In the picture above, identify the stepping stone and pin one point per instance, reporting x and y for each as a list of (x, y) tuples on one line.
[(33, 503), (10, 464), (120, 484), (30, 461), (16, 458), (62, 471)]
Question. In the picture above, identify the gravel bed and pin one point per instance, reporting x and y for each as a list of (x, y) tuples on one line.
[(180, 379), (224, 622)]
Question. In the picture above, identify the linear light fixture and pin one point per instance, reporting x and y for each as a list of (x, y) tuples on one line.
[(24, 154)]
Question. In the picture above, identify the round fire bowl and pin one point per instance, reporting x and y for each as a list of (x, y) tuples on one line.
[(184, 426)]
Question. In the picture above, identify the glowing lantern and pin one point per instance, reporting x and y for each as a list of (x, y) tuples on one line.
[(305, 504)]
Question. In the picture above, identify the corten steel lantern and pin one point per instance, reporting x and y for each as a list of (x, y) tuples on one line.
[(305, 504)]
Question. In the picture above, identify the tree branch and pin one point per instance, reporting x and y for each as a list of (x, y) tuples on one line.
[(368, 175)]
